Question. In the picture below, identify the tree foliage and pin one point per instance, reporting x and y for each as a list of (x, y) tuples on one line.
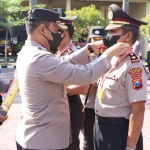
[(87, 17), (13, 12), (145, 30)]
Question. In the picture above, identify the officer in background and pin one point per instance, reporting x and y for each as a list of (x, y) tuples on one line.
[(121, 94), (96, 33), (45, 120), (67, 47)]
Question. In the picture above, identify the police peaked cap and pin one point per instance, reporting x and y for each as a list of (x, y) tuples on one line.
[(68, 20), (97, 31), (118, 18), (39, 14)]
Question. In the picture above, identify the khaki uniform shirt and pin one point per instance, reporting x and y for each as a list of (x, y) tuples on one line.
[(45, 120), (126, 84), (92, 94)]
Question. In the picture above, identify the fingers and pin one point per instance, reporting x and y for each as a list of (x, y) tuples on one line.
[(117, 49)]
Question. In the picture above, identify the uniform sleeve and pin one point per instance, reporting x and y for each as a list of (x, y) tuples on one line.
[(77, 57), (51, 68), (136, 82), (3, 86)]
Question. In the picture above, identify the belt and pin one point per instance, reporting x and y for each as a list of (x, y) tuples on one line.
[(112, 121)]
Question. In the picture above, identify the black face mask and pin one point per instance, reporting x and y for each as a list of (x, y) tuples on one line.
[(56, 41), (110, 40)]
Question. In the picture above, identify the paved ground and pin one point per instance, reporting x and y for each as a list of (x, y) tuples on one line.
[(7, 131)]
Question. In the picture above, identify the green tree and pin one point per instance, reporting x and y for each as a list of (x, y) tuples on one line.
[(87, 17), (12, 13), (145, 30)]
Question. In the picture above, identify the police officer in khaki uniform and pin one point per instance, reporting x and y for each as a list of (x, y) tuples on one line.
[(121, 94), (96, 33), (67, 47), (45, 120)]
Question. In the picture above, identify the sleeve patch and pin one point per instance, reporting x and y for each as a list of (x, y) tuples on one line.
[(136, 74)]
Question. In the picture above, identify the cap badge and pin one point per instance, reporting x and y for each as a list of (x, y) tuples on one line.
[(97, 32), (110, 15)]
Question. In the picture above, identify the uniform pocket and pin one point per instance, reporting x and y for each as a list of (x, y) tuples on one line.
[(111, 84)]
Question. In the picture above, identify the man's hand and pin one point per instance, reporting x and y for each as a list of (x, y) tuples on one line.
[(96, 46), (117, 49), (3, 118)]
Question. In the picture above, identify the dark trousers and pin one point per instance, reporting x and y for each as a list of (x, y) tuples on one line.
[(77, 117), (88, 125), (148, 60), (109, 135), (19, 147)]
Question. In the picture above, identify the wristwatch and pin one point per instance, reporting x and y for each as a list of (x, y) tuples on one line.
[(89, 47), (128, 148)]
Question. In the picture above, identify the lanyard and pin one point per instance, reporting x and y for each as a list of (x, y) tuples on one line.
[(122, 57), (63, 50)]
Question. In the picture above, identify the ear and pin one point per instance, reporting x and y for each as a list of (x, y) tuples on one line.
[(129, 36), (41, 28)]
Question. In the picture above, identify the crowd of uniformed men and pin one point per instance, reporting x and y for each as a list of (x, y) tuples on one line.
[(55, 78)]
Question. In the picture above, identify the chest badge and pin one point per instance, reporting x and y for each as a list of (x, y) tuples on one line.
[(100, 94)]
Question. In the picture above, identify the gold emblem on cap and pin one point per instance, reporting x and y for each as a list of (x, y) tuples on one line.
[(110, 15)]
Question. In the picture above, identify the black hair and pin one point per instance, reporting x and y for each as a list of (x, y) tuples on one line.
[(133, 29), (70, 30), (32, 25)]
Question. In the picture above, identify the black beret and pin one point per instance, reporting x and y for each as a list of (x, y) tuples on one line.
[(97, 31), (118, 18), (40, 14)]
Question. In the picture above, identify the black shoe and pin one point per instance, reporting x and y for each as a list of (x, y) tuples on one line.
[(148, 78)]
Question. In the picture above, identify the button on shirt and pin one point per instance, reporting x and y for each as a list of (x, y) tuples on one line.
[(119, 91)]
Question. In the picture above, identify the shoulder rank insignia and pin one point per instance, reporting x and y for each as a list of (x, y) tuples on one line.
[(69, 51), (136, 74), (133, 58)]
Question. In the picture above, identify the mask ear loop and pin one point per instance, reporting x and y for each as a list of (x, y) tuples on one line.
[(60, 35)]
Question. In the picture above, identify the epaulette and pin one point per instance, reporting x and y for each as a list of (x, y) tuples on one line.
[(133, 58), (69, 51)]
